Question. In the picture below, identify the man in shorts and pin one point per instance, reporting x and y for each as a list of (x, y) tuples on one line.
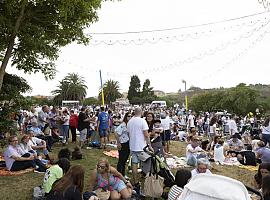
[(138, 139), (83, 125), (103, 126)]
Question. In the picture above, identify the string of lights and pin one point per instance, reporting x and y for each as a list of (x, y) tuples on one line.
[(239, 55), (191, 59), (176, 34), (265, 3)]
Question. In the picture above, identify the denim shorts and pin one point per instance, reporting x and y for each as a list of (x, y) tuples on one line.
[(134, 157), (103, 132), (119, 186)]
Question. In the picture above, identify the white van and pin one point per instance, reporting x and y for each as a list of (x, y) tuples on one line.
[(158, 104)]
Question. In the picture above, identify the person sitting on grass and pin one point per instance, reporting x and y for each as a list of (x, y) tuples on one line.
[(38, 145), (266, 187), (263, 153), (70, 186), (106, 177), (194, 151), (16, 160), (263, 170), (219, 152), (247, 157), (54, 173), (182, 177), (203, 166)]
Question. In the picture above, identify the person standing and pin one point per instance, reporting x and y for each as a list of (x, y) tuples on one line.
[(166, 135), (122, 138), (266, 131), (83, 124), (65, 127), (138, 139), (43, 118), (73, 125), (103, 123)]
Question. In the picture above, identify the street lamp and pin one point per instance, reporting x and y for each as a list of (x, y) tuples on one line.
[(186, 98)]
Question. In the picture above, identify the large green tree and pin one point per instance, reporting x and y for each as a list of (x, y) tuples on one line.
[(32, 31), (12, 100), (134, 90), (111, 91), (72, 87), (147, 93), (239, 100)]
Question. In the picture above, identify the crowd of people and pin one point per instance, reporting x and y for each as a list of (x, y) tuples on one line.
[(208, 137)]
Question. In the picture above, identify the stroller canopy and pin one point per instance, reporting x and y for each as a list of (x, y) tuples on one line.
[(214, 187)]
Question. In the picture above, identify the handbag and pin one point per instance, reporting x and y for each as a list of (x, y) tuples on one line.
[(153, 185), (102, 194)]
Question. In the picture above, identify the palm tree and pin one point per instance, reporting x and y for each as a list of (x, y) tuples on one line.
[(111, 91), (72, 87)]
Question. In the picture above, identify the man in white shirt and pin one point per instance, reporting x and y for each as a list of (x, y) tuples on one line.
[(166, 134), (138, 139)]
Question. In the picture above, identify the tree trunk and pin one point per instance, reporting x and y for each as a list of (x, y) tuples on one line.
[(11, 44)]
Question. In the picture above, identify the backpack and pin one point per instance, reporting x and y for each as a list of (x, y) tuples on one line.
[(38, 193)]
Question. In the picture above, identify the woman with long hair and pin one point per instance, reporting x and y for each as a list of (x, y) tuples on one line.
[(213, 127), (123, 143), (107, 178), (266, 187), (70, 186), (263, 170)]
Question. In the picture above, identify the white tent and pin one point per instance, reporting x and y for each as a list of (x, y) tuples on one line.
[(214, 187)]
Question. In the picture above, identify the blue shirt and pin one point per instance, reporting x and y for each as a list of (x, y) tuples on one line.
[(265, 154), (103, 119)]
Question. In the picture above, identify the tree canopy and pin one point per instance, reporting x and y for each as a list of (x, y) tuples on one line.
[(239, 100), (12, 100), (32, 31), (111, 91), (72, 87)]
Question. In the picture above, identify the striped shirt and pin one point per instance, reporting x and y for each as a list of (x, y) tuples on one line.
[(174, 192)]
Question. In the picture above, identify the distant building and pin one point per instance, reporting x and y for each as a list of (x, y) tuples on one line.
[(124, 95), (159, 93), (43, 97)]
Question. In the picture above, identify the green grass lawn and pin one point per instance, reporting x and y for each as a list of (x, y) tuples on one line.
[(21, 187)]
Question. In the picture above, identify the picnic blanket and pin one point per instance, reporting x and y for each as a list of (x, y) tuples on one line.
[(231, 161), (5, 172), (176, 162), (111, 153), (248, 167)]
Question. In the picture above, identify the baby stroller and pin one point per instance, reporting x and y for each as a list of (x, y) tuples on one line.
[(216, 187), (159, 167)]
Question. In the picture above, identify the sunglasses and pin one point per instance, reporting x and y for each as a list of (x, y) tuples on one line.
[(129, 116), (14, 140), (101, 167)]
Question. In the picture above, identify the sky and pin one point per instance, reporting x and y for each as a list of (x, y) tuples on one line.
[(196, 41)]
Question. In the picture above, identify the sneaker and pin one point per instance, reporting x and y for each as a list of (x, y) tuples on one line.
[(137, 188), (36, 171)]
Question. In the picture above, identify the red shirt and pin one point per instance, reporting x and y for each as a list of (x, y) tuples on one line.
[(73, 121)]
